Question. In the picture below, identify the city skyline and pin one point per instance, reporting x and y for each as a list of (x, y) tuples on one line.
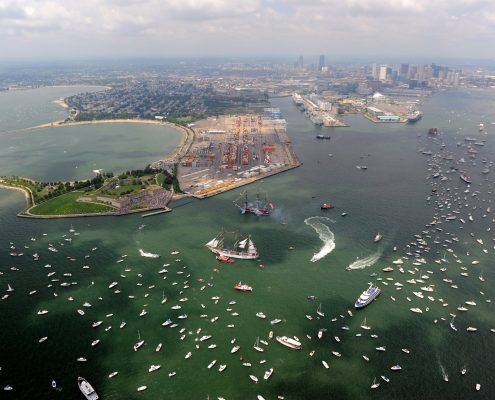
[(128, 28)]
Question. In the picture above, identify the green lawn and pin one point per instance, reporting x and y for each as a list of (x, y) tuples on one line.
[(121, 190), (67, 204)]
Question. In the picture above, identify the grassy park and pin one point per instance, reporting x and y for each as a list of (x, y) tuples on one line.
[(67, 204)]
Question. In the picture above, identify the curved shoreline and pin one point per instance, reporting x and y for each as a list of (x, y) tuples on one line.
[(183, 131), (27, 193)]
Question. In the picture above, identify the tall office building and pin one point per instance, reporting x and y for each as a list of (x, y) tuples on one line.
[(321, 62), (375, 72), (383, 72)]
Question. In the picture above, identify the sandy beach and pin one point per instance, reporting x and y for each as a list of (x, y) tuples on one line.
[(27, 193), (60, 102)]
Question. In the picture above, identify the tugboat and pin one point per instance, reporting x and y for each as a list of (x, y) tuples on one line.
[(225, 259), (327, 206), (258, 207), (367, 296), (86, 389), (242, 287)]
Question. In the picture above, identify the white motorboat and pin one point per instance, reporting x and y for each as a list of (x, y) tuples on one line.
[(268, 373), (86, 389), (154, 368), (289, 342)]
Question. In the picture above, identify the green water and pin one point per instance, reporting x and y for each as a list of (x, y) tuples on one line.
[(389, 197)]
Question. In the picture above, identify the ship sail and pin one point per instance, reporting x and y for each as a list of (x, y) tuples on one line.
[(252, 248), (242, 244), (212, 243)]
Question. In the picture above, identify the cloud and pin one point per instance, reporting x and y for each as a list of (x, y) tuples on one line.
[(133, 27)]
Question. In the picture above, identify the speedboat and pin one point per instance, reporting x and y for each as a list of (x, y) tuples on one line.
[(86, 389), (138, 345), (154, 368), (367, 296), (268, 373), (378, 237)]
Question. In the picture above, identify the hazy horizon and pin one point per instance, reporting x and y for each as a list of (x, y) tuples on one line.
[(346, 29)]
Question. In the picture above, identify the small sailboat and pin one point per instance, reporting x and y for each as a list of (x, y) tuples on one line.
[(319, 312), (365, 326), (257, 347), (375, 384), (139, 343)]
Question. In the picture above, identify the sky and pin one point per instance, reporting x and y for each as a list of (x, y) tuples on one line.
[(44, 29)]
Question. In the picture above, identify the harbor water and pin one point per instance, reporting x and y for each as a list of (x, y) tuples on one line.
[(389, 197)]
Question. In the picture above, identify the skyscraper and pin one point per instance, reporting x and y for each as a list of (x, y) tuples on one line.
[(375, 71), (301, 62), (383, 72), (321, 62)]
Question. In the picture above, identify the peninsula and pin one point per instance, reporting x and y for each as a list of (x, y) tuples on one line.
[(214, 155)]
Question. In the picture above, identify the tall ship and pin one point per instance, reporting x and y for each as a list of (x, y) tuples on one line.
[(258, 207), (367, 296), (86, 389), (243, 249), (414, 116)]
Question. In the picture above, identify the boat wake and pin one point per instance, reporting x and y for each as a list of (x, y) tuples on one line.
[(149, 255), (445, 376), (325, 234), (362, 263)]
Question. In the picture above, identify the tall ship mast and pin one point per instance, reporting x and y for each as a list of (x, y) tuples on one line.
[(243, 249), (258, 207)]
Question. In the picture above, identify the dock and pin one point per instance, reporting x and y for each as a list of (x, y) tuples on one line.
[(165, 210)]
